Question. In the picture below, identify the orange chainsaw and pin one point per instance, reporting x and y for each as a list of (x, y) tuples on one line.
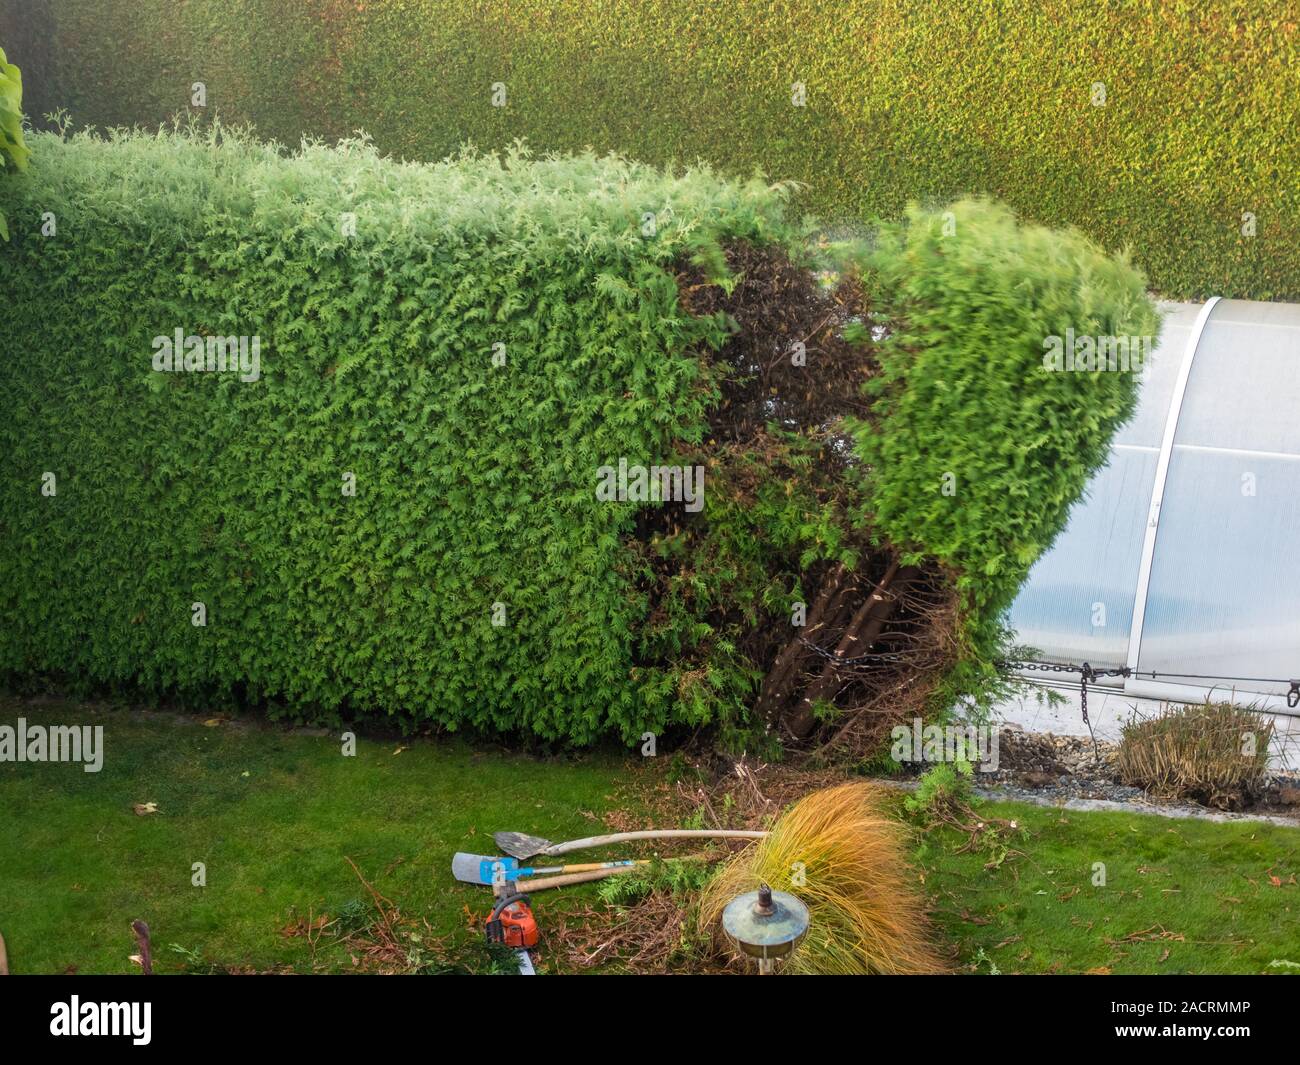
[(512, 922)]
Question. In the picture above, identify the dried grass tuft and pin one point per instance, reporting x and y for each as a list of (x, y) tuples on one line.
[(867, 916), (1212, 753)]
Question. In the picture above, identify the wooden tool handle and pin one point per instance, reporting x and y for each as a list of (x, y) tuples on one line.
[(587, 867), (666, 833), (542, 883)]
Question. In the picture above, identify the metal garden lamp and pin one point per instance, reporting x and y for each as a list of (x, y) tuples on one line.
[(765, 925)]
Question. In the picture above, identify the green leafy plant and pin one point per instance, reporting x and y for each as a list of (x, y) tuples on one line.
[(195, 964), (355, 915), (192, 957), (476, 958), (943, 787), (945, 797), (677, 876), (13, 149)]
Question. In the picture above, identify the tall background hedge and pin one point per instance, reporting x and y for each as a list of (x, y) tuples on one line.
[(906, 99)]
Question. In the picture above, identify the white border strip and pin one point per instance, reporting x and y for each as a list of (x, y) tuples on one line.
[(1158, 485), (1209, 449), (1164, 691), (1189, 691)]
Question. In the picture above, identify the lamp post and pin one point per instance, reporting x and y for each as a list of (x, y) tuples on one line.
[(765, 925)]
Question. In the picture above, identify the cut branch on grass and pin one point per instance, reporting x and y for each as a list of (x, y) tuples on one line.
[(379, 945)]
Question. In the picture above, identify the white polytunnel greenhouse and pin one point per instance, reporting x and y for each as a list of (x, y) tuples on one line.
[(1178, 574)]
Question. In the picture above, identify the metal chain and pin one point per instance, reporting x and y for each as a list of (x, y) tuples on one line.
[(859, 660), (1087, 675), (1034, 666), (1088, 672)]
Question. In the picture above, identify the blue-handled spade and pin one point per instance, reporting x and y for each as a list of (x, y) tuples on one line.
[(480, 869)]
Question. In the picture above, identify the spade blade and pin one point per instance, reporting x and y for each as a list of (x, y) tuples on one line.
[(517, 845), (481, 869)]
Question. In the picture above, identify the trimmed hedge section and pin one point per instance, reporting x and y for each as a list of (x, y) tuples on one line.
[(474, 579), (915, 100)]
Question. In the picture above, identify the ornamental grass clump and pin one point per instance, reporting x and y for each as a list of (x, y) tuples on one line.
[(1212, 753), (843, 856)]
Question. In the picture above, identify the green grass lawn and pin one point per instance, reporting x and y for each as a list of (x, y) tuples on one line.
[(1179, 896), (273, 813)]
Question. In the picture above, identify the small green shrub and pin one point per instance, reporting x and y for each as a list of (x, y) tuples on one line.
[(942, 788), (945, 798), (1212, 753), (13, 149)]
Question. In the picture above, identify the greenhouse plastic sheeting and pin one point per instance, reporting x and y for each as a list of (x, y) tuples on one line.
[(1224, 574), (1077, 605)]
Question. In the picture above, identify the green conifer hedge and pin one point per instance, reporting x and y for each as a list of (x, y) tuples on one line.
[(1165, 127), (327, 431)]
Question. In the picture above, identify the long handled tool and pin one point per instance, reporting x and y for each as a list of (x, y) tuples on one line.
[(480, 869), (541, 883), (524, 847)]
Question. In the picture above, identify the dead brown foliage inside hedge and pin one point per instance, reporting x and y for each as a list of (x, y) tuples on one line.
[(878, 637)]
